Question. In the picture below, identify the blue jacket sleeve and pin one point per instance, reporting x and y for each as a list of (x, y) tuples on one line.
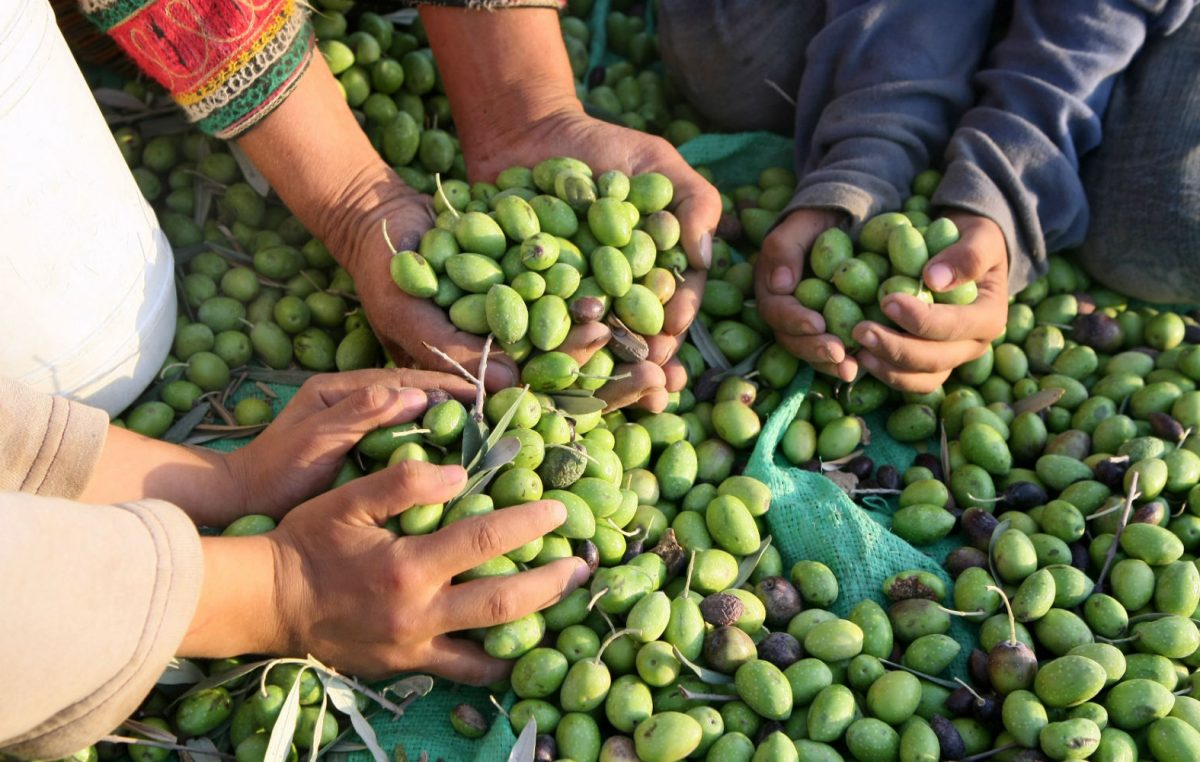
[(881, 90), (1014, 157)]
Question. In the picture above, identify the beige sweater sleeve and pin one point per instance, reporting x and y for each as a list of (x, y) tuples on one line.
[(48, 445), (95, 600)]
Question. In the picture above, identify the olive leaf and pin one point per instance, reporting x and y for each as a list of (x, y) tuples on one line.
[(225, 677), (416, 685), (280, 742), (474, 436), (497, 457), (1038, 401), (149, 731), (708, 348), (314, 745), (502, 424), (846, 481), (523, 750), (235, 255), (181, 672), (254, 178), (182, 429), (709, 676), (343, 700), (944, 452), (204, 750), (1000, 529), (402, 17), (576, 405), (119, 99), (750, 563)]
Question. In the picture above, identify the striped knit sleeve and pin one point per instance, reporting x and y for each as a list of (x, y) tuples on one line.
[(228, 63)]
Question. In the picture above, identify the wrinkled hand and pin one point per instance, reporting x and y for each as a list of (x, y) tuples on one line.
[(778, 270), (940, 337), (697, 204), (405, 324), (370, 603), (299, 454)]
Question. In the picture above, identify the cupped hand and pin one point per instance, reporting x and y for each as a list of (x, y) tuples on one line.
[(369, 603), (777, 272), (937, 338), (299, 454), (696, 203), (406, 325)]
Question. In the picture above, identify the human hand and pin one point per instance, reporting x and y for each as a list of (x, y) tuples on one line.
[(603, 146), (367, 602), (300, 453), (940, 337), (778, 270)]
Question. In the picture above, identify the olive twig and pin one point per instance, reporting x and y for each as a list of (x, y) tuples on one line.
[(1112, 549), (609, 640), (948, 685), (782, 93), (983, 755), (499, 707), (131, 741), (437, 179), (1012, 620), (454, 364), (592, 603), (979, 700)]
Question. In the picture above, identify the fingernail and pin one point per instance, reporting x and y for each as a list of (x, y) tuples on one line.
[(891, 309), (652, 391), (558, 511), (828, 353), (452, 474), (505, 375), (938, 276), (706, 250), (868, 339), (580, 574), (412, 398), (781, 280)]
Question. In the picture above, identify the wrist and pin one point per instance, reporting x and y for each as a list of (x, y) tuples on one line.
[(237, 612)]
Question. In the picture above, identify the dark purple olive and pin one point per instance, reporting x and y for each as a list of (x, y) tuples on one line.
[(586, 309), (781, 600), (966, 557), (729, 227), (633, 549), (722, 609), (978, 526), (1191, 333), (587, 550), (811, 465), (1165, 427), (1029, 755), (1011, 666), (780, 649), (949, 740), (1021, 496), (1098, 331), (977, 667), (932, 462), (546, 749), (596, 77), (862, 466), (888, 477), (436, 397), (1153, 512), (1150, 352), (961, 702), (1081, 559), (1111, 472)]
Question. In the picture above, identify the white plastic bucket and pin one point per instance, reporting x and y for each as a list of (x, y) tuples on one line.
[(87, 296)]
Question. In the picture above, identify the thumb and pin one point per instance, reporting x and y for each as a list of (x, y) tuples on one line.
[(965, 260), (698, 210), (373, 499)]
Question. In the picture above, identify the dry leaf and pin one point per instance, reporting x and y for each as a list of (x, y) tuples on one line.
[(1038, 401), (845, 480)]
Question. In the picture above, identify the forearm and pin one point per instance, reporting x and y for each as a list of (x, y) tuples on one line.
[(133, 467), (872, 111), (504, 70), (319, 161), (235, 613), (1015, 156)]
